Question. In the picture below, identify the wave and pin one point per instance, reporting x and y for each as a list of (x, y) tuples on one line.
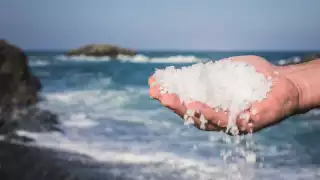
[(38, 62), (158, 164), (171, 59), (164, 165), (100, 122), (136, 59), (82, 58), (292, 60)]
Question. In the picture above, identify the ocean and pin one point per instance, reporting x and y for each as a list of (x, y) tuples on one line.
[(105, 112)]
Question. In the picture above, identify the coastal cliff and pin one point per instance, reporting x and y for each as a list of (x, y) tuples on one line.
[(19, 93)]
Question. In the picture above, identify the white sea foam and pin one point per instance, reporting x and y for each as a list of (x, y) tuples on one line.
[(292, 60), (82, 58), (80, 120), (170, 59), (158, 162), (38, 62), (139, 58)]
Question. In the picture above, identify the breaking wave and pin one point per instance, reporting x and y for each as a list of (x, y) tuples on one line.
[(135, 59)]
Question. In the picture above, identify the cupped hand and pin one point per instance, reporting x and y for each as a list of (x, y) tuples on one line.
[(281, 102)]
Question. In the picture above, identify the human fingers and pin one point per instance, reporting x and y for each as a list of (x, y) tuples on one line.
[(244, 122), (215, 116), (206, 118), (154, 88), (173, 102), (259, 116), (151, 80)]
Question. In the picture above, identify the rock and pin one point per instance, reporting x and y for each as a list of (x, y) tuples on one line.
[(19, 89), (99, 50), (310, 57), (32, 119), (18, 86), (19, 161), (22, 161)]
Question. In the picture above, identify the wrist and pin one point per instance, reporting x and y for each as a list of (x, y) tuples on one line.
[(304, 78)]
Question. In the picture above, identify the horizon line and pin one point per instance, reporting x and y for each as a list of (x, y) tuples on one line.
[(186, 50)]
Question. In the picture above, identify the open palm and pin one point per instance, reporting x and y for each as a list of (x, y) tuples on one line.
[(281, 102)]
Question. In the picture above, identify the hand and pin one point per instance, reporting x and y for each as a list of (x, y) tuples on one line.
[(281, 102)]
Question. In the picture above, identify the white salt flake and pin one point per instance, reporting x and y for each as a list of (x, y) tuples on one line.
[(188, 117), (163, 90), (251, 158), (245, 116), (190, 112), (185, 117), (254, 112), (203, 122), (269, 78), (189, 121), (203, 119)]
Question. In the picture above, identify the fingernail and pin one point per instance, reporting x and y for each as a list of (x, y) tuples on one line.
[(163, 90), (185, 117), (269, 78), (189, 121), (245, 116), (190, 112), (203, 122), (250, 125), (153, 84)]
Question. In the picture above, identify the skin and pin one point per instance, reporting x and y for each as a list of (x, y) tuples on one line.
[(284, 100)]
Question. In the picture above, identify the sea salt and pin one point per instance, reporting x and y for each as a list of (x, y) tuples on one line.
[(224, 85)]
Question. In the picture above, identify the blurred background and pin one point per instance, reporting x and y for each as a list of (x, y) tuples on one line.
[(92, 118)]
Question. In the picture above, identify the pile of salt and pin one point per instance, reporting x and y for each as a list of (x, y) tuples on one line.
[(227, 85)]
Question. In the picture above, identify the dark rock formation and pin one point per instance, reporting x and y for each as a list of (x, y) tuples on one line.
[(310, 57), (23, 162), (18, 86), (99, 50), (19, 89), (19, 161)]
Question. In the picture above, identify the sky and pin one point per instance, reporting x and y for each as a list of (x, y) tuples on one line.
[(163, 24)]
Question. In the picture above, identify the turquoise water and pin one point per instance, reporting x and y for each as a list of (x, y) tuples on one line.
[(106, 112)]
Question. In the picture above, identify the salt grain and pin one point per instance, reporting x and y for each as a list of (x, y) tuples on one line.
[(251, 158), (203, 122), (245, 117), (225, 85), (254, 112)]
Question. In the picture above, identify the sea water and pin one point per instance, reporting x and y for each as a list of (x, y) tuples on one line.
[(106, 113)]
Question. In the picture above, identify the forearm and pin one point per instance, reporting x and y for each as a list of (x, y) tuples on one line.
[(306, 77)]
